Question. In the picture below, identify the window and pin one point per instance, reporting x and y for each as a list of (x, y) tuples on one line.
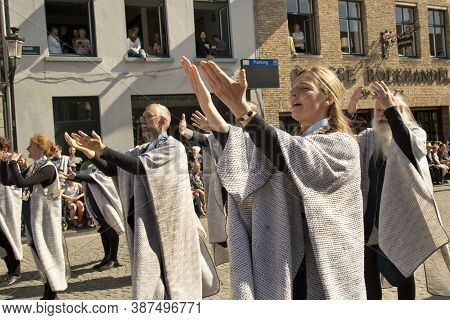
[(436, 33), (430, 119), (147, 21), (75, 113), (70, 27), (350, 26), (301, 25), (177, 104), (212, 28), (405, 19)]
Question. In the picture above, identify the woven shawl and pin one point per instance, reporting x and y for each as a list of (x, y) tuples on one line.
[(164, 247), (105, 195), (11, 217), (45, 206), (216, 213), (314, 211), (410, 227)]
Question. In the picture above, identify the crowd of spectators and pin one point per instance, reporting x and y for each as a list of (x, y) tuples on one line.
[(61, 41)]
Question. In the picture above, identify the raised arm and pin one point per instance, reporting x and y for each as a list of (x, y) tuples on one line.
[(216, 122)]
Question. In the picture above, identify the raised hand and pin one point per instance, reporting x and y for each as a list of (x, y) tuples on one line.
[(13, 156), (216, 121), (356, 96), (73, 143), (200, 121), (182, 126), (93, 143), (197, 84), (231, 92), (384, 95)]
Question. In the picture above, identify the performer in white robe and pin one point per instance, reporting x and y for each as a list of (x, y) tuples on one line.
[(162, 228), (104, 206), (10, 221), (295, 206), (401, 218), (42, 214)]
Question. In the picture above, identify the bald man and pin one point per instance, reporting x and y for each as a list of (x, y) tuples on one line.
[(162, 227)]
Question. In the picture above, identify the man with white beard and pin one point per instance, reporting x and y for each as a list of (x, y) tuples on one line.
[(402, 227)]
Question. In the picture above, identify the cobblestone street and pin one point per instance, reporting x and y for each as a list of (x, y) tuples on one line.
[(86, 283)]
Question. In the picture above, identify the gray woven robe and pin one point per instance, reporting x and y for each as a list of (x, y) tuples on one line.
[(105, 195), (410, 227), (164, 248), (276, 219), (45, 206), (216, 214), (11, 217)]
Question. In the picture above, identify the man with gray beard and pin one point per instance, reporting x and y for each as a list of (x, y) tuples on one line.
[(402, 227)]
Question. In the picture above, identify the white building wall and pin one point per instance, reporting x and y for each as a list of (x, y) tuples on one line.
[(112, 79)]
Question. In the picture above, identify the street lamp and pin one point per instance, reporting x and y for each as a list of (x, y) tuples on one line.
[(14, 43)]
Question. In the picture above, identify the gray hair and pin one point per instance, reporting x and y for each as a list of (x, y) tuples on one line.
[(405, 111), (161, 111)]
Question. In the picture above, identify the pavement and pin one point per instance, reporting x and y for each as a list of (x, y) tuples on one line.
[(85, 250)]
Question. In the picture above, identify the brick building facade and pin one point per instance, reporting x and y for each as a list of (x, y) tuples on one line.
[(423, 79)]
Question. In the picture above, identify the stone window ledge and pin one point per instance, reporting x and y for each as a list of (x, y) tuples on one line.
[(72, 59), (149, 60), (306, 56), (218, 60)]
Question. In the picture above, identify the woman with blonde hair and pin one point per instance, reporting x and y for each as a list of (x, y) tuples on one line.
[(295, 205), (42, 213)]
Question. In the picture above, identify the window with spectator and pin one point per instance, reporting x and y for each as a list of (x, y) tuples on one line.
[(212, 29), (350, 26), (436, 33), (70, 27), (147, 18), (301, 25), (405, 19)]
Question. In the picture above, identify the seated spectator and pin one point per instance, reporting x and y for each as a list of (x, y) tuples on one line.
[(74, 161), (156, 50), (61, 163), (203, 46), (197, 185), (437, 162), (73, 194), (83, 44), (75, 37), (134, 45), (299, 39), (435, 172), (443, 155), (218, 47), (65, 40), (292, 47), (54, 44), (196, 157)]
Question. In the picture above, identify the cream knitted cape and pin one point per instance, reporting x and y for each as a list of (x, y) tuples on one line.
[(410, 227), (105, 195), (165, 251), (312, 211), (11, 217)]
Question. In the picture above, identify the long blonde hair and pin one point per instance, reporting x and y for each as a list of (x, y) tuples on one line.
[(329, 83)]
